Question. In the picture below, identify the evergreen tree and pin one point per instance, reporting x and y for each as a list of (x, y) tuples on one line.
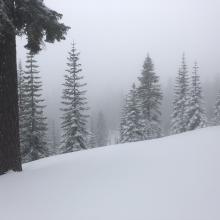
[(21, 104), (101, 131), (75, 106), (181, 100), (217, 110), (195, 112), (34, 126), (92, 140), (33, 19), (150, 97), (123, 121), (132, 123)]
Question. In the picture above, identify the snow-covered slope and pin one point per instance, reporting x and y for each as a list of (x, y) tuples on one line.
[(174, 178)]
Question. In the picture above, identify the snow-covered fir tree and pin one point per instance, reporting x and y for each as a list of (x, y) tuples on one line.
[(181, 100), (216, 120), (101, 131), (132, 126), (123, 124), (92, 140), (150, 96), (74, 119), (21, 104), (34, 126), (195, 112)]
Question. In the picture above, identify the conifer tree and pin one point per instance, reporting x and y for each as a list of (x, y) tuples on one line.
[(150, 97), (34, 126), (75, 106), (132, 124), (181, 100), (123, 121), (39, 23), (217, 110), (92, 140), (195, 112), (101, 131), (21, 104)]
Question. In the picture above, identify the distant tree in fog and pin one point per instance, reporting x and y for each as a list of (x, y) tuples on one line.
[(196, 113), (92, 139), (53, 138), (181, 100), (101, 131), (150, 96), (217, 110), (21, 106), (74, 119)]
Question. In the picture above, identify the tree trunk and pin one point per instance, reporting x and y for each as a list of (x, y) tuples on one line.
[(10, 158)]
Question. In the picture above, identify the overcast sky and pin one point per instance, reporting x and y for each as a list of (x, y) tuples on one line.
[(114, 37)]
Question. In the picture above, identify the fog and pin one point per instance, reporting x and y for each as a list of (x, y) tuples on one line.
[(114, 38)]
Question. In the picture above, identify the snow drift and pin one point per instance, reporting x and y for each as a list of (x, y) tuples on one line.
[(173, 178)]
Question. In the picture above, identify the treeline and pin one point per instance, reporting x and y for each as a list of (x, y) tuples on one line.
[(140, 115)]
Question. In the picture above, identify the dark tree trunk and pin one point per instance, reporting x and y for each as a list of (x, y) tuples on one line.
[(9, 126)]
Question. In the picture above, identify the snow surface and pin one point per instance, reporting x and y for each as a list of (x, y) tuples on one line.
[(173, 178)]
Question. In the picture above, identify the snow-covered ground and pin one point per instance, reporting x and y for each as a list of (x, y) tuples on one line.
[(174, 178)]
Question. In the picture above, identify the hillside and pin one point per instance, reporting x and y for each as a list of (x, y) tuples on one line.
[(173, 178)]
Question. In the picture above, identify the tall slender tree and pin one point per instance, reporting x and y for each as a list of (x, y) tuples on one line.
[(21, 104), (181, 100), (92, 140), (217, 110), (75, 106), (150, 96), (35, 20), (195, 112), (34, 136), (132, 126)]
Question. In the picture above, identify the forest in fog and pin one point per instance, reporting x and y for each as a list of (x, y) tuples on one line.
[(149, 109)]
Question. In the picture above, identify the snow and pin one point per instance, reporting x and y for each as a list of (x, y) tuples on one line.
[(173, 178)]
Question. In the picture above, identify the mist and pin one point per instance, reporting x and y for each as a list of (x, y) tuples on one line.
[(114, 37)]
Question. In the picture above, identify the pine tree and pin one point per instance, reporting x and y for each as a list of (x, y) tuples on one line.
[(39, 23), (217, 111), (53, 138), (92, 140), (150, 97), (75, 106), (101, 131), (132, 123), (21, 104), (195, 112), (123, 121), (35, 126), (181, 100)]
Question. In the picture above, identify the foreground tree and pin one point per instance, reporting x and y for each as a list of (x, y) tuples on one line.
[(150, 97), (35, 20), (195, 113), (75, 106), (181, 100), (34, 126)]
